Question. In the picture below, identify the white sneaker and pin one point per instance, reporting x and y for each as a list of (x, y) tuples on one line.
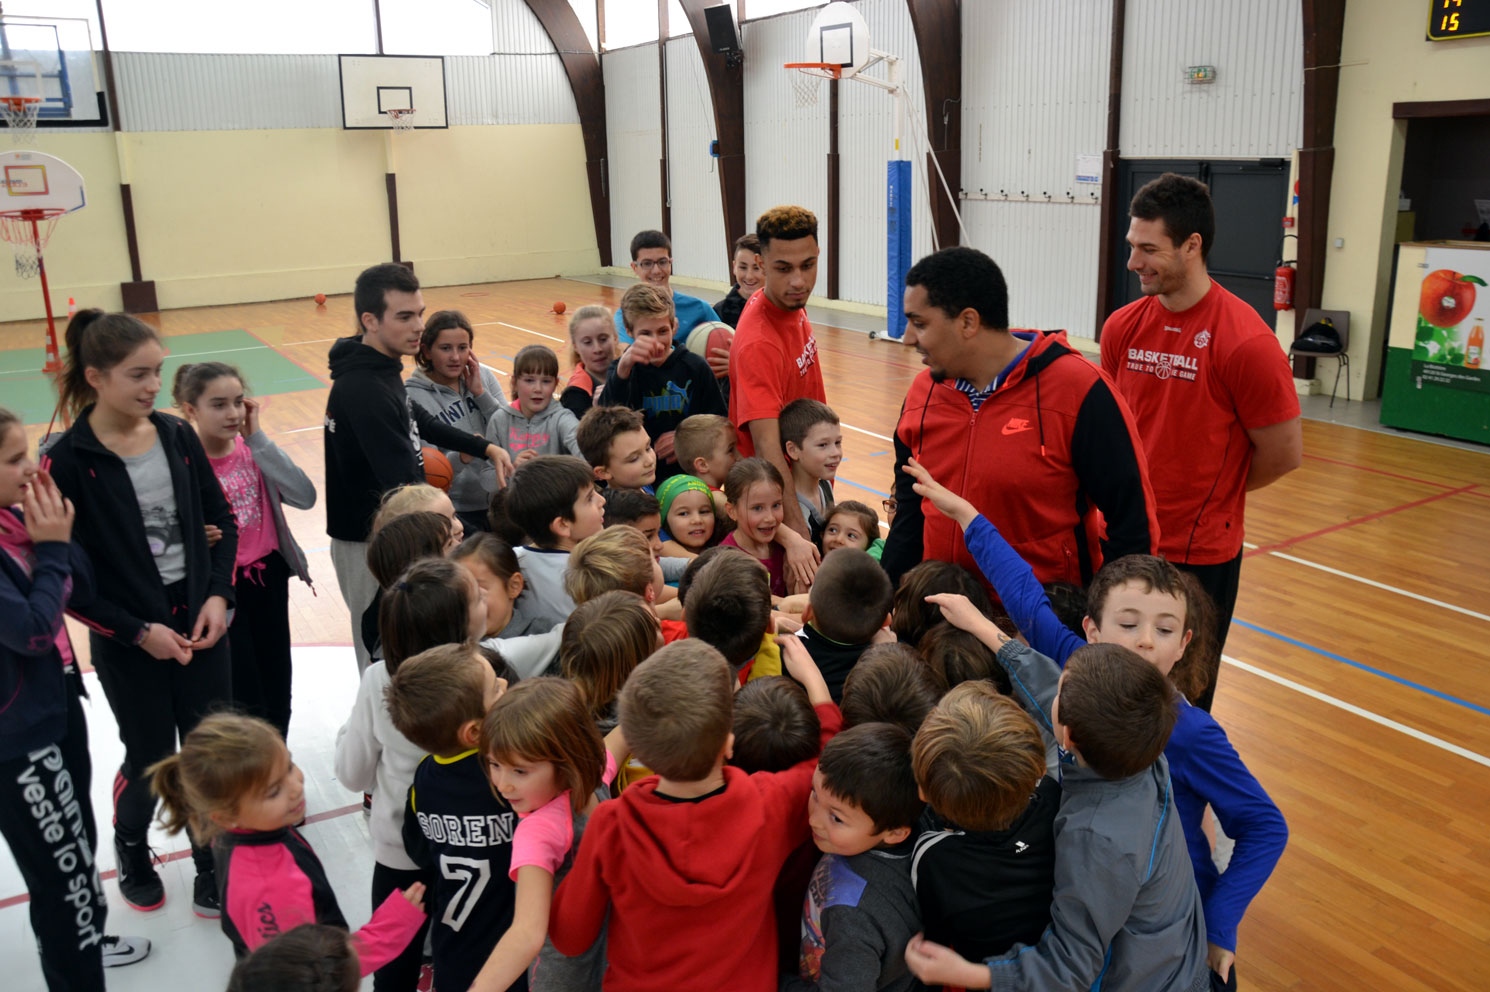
[(120, 951)]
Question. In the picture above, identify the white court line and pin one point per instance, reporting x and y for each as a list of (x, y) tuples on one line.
[(1466, 611), (1365, 714), (527, 330), (863, 431), (302, 430)]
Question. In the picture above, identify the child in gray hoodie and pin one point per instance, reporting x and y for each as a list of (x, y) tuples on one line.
[(533, 424), (1125, 912), (451, 385)]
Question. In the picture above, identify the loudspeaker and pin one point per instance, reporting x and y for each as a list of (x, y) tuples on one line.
[(722, 34)]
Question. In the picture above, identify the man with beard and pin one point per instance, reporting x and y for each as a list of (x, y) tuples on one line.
[(1020, 424)]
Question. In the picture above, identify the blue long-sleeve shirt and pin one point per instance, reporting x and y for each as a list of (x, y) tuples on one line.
[(1205, 768)]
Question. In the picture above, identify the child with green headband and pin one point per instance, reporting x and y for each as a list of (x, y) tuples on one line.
[(687, 515)]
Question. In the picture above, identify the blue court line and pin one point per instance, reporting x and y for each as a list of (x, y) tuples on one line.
[(847, 482), (1429, 690), (876, 454)]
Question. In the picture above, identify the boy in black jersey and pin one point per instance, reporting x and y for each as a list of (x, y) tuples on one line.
[(984, 865), (454, 820)]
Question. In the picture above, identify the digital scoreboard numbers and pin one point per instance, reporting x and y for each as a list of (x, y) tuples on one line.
[(1450, 19)]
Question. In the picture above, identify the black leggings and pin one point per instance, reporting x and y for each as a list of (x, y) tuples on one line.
[(154, 701), (47, 820), (260, 639), (402, 973)]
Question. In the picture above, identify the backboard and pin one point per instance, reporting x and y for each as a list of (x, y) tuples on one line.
[(839, 35), (34, 180), (372, 85), (57, 54)]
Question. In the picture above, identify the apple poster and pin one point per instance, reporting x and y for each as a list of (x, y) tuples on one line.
[(1453, 311)]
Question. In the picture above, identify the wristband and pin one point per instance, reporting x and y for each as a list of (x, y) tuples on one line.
[(144, 633)]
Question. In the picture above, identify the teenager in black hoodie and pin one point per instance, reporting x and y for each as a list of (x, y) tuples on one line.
[(373, 433)]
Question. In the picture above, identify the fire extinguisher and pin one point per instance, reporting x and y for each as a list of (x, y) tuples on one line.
[(1283, 278)]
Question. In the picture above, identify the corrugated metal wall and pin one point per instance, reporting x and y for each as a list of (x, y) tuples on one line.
[(1035, 97), (1254, 109), (183, 92), (508, 89), (698, 235), (633, 120), (865, 132), (786, 145)]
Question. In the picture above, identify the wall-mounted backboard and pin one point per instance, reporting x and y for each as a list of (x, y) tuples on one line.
[(372, 85), (55, 54)]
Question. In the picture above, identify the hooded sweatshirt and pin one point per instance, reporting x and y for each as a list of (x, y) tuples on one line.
[(373, 436), (550, 431), (459, 409), (859, 914), (1051, 457), (688, 883)]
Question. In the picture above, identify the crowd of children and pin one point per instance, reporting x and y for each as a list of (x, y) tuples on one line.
[(607, 737)]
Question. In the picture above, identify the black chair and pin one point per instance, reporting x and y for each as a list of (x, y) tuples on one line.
[(1326, 334)]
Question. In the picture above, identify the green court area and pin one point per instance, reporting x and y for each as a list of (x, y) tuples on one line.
[(30, 394)]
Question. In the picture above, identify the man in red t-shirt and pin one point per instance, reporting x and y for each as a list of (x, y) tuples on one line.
[(1209, 386), (774, 358)]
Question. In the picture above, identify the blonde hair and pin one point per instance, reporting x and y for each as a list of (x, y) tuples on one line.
[(404, 499), (544, 719), (618, 557), (978, 758), (604, 640), (223, 760), (697, 437), (645, 300), (591, 312)]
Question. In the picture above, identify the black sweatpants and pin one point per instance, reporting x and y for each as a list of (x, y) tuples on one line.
[(402, 973), (47, 820), (154, 702), (1221, 582), (260, 639)]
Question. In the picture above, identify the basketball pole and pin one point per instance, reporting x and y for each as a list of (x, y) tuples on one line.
[(54, 362)]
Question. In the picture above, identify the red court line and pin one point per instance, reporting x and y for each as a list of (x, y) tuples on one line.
[(1290, 542), (1378, 471), (329, 814)]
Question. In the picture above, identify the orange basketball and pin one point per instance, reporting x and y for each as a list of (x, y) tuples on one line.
[(437, 470), (320, 299), (560, 307)]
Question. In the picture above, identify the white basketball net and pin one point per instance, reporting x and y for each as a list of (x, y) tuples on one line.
[(403, 120), (20, 115), (805, 86), (28, 249)]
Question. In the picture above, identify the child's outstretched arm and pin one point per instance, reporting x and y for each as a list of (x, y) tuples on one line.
[(524, 939), (1034, 676), (1011, 576)]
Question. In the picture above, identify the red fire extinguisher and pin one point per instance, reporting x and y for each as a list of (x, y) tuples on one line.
[(1283, 278)]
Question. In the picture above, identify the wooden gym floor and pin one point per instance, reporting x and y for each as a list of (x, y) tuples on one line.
[(1357, 685)]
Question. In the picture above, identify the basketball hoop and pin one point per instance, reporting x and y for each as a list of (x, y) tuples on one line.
[(403, 120), (809, 79), (27, 232), (20, 114)]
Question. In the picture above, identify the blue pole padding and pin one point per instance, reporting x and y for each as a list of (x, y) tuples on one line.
[(898, 248)]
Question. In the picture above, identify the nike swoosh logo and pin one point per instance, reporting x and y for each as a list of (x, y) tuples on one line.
[(1011, 429)]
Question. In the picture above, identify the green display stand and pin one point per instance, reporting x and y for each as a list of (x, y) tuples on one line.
[(1415, 406)]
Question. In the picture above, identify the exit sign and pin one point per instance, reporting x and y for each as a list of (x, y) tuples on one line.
[(1450, 19)]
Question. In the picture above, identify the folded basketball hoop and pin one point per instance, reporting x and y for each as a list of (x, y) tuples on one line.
[(20, 115), (809, 78), (403, 120)]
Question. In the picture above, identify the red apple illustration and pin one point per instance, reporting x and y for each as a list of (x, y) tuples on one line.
[(1447, 297)]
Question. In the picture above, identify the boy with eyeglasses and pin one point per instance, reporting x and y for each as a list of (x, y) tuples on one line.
[(651, 260)]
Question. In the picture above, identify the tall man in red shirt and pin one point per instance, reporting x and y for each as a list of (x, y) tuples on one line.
[(774, 358), (1018, 423), (1210, 388)]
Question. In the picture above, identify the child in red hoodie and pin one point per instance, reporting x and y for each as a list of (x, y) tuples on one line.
[(685, 862)]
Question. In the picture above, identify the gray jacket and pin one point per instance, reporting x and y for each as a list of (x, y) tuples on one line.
[(473, 483), (859, 915), (285, 483), (1125, 908), (551, 431)]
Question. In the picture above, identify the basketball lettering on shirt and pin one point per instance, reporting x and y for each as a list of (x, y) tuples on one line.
[(808, 357)]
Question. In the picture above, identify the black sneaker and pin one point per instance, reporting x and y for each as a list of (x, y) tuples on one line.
[(138, 883), (120, 951), (204, 901)]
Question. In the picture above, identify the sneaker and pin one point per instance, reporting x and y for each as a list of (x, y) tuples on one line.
[(138, 883), (204, 901), (120, 951)]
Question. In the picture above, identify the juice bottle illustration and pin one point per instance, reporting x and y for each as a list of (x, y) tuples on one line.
[(1476, 348)]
